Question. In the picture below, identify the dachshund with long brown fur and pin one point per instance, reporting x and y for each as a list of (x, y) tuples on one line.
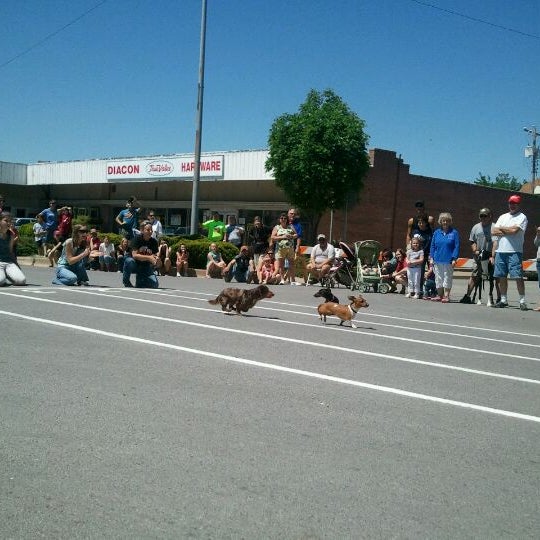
[(241, 300)]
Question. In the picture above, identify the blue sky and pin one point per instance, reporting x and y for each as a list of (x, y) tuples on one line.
[(448, 93)]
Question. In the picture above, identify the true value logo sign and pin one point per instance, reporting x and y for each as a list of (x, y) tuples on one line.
[(166, 169)]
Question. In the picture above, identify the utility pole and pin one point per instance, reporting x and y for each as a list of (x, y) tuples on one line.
[(198, 132), (532, 152)]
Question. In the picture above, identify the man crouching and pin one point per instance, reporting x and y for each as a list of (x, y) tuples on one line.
[(143, 260)]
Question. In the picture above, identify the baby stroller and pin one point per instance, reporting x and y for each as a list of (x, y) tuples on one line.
[(368, 269), (343, 271)]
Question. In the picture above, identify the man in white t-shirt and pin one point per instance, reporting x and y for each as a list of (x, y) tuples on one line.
[(509, 233), (322, 258)]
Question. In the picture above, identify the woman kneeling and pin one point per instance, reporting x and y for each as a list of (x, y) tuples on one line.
[(71, 268)]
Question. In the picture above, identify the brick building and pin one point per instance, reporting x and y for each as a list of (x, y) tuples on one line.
[(236, 183)]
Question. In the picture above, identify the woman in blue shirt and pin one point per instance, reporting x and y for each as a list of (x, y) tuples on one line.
[(443, 255)]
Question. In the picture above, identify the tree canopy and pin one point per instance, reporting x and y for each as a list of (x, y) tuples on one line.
[(318, 155), (502, 181)]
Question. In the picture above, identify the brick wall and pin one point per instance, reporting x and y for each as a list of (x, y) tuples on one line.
[(387, 202)]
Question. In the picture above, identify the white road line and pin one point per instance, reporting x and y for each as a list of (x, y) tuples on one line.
[(158, 292), (498, 331), (363, 332), (304, 373), (297, 341)]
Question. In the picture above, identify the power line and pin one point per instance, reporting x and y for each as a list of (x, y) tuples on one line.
[(51, 35), (482, 21)]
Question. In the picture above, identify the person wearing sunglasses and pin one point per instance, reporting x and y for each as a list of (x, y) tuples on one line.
[(510, 232), (481, 248), (71, 263), (10, 273)]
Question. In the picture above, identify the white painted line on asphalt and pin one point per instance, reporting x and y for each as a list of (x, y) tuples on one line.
[(498, 331), (363, 331), (265, 365), (273, 337)]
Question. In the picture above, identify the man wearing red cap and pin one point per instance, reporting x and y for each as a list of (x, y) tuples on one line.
[(510, 234)]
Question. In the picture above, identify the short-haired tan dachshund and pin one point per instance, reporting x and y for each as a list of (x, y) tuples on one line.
[(345, 312)]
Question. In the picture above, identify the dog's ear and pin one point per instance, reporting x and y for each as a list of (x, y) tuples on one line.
[(351, 298)]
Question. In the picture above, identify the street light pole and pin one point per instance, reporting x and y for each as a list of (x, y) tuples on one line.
[(198, 130), (534, 152)]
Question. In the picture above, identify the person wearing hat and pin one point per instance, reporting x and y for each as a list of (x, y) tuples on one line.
[(509, 231), (412, 224), (322, 258), (482, 248)]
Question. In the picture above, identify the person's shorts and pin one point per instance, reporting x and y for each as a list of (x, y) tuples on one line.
[(49, 239), (508, 264), (285, 253)]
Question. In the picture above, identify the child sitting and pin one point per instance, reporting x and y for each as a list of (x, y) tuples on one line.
[(430, 289)]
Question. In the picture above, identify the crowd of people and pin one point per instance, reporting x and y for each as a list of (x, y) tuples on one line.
[(424, 269)]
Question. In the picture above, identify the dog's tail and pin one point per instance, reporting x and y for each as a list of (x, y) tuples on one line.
[(214, 302)]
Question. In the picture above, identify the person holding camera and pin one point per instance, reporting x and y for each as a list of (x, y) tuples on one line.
[(481, 247), (71, 268)]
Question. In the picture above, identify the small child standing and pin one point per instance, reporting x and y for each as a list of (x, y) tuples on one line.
[(415, 260)]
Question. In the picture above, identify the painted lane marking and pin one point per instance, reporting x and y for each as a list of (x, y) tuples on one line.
[(265, 365), (361, 331), (297, 341)]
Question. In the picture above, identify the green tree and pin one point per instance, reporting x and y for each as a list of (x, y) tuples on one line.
[(502, 181), (318, 155)]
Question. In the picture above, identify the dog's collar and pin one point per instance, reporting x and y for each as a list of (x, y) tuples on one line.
[(352, 310)]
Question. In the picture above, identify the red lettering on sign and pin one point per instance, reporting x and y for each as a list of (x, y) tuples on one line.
[(122, 169)]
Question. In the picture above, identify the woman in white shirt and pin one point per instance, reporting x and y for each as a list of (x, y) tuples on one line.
[(106, 255)]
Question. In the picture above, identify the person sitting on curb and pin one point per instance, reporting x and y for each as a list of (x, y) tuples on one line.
[(266, 269), (164, 254), (93, 243), (182, 261), (214, 262), (323, 255), (430, 289), (399, 275), (240, 268), (106, 255), (143, 261)]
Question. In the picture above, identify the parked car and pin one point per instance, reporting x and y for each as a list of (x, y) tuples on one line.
[(176, 231), (23, 221)]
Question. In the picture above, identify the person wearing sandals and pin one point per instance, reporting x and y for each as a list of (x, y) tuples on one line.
[(443, 255)]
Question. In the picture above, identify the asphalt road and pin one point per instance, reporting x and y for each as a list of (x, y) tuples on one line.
[(128, 413)]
